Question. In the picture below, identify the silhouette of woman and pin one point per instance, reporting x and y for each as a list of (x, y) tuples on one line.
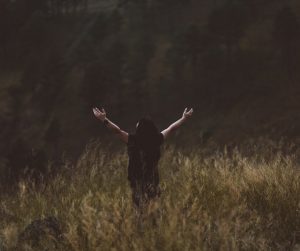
[(143, 149)]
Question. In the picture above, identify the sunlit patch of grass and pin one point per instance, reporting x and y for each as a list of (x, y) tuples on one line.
[(219, 201)]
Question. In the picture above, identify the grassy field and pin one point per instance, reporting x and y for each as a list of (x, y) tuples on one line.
[(211, 200)]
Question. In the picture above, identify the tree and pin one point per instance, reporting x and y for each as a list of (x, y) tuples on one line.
[(5, 29), (286, 37), (226, 26)]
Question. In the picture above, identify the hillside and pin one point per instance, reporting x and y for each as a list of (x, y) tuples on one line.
[(236, 62)]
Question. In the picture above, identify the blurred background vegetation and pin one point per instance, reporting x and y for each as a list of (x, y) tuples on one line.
[(235, 61)]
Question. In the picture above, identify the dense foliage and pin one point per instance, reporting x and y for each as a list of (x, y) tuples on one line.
[(235, 62)]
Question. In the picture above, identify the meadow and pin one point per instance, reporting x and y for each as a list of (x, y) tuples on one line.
[(244, 198)]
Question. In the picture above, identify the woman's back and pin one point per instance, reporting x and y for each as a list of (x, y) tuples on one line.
[(143, 162)]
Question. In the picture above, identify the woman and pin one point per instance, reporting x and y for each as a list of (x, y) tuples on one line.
[(144, 153)]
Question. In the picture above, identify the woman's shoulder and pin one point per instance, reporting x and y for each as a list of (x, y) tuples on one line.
[(161, 138), (131, 139)]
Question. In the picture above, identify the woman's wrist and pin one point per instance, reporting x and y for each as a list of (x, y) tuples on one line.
[(105, 121)]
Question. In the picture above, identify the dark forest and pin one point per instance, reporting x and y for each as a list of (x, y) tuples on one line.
[(236, 62)]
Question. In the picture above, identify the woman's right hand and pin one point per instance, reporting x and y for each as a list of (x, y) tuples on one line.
[(101, 115), (187, 114)]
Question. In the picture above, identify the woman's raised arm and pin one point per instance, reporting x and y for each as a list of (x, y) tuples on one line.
[(185, 116), (101, 115)]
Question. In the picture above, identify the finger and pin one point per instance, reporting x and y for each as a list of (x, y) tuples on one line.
[(189, 113), (185, 110), (103, 110)]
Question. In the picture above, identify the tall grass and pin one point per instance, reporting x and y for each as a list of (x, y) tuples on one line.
[(217, 201)]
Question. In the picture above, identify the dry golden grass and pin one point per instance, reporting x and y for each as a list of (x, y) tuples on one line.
[(219, 201)]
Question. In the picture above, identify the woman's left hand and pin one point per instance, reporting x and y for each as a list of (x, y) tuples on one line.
[(187, 114)]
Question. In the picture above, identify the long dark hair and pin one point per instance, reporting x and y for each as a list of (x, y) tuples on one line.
[(147, 134)]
